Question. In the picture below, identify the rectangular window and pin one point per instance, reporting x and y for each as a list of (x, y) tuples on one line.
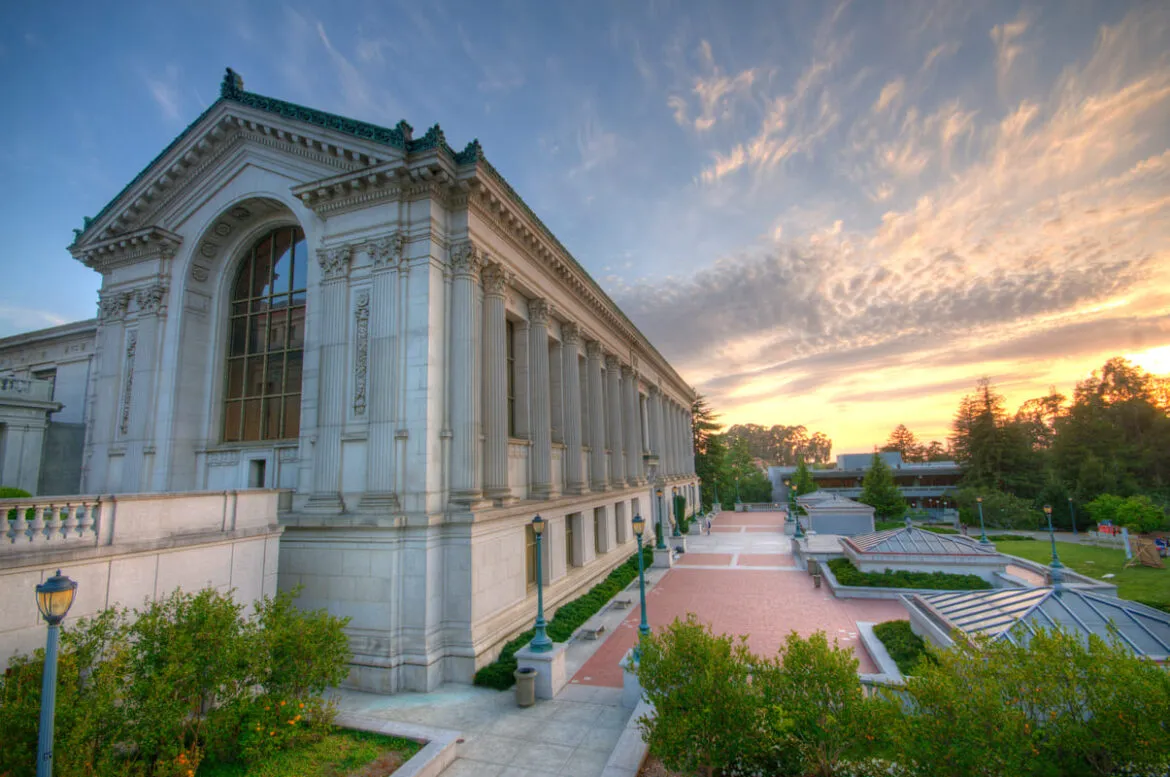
[(530, 555), (570, 557), (622, 523), (49, 375), (257, 474), (510, 348), (598, 530)]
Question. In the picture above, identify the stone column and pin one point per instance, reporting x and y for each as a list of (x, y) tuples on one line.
[(539, 311), (690, 443), (658, 428), (633, 434), (613, 407), (385, 257), (466, 380), (676, 438), (667, 434), (331, 368), (495, 386), (597, 416), (571, 374)]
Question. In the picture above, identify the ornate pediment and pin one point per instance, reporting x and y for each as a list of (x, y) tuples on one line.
[(147, 243)]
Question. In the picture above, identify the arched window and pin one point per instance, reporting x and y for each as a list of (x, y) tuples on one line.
[(266, 340)]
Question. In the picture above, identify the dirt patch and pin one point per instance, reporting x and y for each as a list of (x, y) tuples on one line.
[(383, 765)]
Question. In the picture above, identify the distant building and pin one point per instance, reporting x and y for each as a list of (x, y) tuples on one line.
[(929, 486)]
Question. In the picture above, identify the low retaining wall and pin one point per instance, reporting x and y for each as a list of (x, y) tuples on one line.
[(859, 592), (1070, 577), (437, 754)]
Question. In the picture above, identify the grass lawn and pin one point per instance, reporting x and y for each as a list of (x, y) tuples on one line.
[(340, 753), (1138, 583)]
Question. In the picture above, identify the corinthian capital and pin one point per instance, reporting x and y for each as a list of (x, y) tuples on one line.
[(466, 259), (387, 251), (612, 362), (334, 261), (112, 306), (539, 311), (593, 350), (570, 333), (495, 279), (151, 298)]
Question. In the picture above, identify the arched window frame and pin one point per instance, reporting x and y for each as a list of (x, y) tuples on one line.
[(263, 355)]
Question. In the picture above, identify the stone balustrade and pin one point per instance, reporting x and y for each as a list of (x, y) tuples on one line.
[(39, 523), (26, 388)]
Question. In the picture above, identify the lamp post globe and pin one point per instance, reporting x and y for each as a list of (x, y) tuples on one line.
[(982, 531), (540, 641), (54, 598), (643, 627)]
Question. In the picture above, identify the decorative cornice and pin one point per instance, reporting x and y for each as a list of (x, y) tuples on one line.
[(148, 242), (466, 259), (539, 311), (334, 262)]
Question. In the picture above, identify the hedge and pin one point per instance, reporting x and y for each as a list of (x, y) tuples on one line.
[(940, 530), (904, 646), (568, 618), (847, 574), (1009, 537)]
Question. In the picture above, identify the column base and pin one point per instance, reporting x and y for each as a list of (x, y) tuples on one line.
[(330, 503), (379, 502), (663, 559), (544, 491), (550, 668), (600, 488), (678, 542), (577, 489), (500, 496)]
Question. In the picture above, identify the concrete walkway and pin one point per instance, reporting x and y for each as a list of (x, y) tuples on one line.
[(740, 579)]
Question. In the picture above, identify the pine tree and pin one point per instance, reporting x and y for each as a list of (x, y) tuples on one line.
[(903, 441), (879, 491), (803, 479)]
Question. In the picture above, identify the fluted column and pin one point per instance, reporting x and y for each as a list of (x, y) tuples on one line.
[(331, 369), (690, 443), (466, 380), (539, 311), (654, 410), (571, 373), (495, 387), (613, 406), (667, 435), (382, 311), (597, 416), (676, 437), (632, 428)]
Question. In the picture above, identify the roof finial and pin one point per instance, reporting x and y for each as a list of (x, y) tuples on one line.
[(232, 84), (909, 523)]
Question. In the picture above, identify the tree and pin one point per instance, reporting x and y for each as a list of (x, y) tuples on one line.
[(903, 441), (935, 451), (879, 491), (711, 463), (803, 479)]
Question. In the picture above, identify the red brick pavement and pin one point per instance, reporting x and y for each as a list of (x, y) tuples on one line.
[(765, 560), (705, 559), (763, 604)]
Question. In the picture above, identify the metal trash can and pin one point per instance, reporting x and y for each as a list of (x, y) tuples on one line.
[(814, 568), (525, 686), (816, 581)]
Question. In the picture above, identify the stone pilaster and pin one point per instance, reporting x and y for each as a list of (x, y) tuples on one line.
[(142, 343), (541, 486), (331, 401), (657, 438), (597, 416), (495, 387), (633, 428), (570, 352), (690, 443), (466, 380), (613, 407), (381, 400)]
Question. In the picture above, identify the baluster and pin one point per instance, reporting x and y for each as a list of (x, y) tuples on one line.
[(70, 528), (8, 536), (38, 525), (86, 523), (20, 533), (53, 524)]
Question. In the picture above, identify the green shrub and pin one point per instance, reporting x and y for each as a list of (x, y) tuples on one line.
[(847, 574), (153, 692), (888, 525), (1009, 537), (11, 492), (940, 529), (904, 646), (569, 617)]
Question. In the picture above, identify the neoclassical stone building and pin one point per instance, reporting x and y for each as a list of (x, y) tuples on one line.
[(292, 299)]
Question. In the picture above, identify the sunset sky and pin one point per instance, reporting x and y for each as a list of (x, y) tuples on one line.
[(833, 215)]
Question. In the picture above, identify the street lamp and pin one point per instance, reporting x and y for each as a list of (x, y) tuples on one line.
[(661, 532), (674, 530), (1072, 511), (540, 643), (54, 598), (737, 499), (799, 533), (982, 531), (1057, 569), (643, 627)]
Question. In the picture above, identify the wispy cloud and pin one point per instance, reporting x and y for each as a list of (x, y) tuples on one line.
[(164, 89)]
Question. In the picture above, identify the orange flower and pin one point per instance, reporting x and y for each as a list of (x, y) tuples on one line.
[(302, 705), (267, 708), (271, 733), (282, 704)]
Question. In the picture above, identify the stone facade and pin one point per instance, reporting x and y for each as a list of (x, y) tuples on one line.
[(458, 372)]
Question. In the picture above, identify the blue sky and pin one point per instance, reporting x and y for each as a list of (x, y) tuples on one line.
[(839, 215)]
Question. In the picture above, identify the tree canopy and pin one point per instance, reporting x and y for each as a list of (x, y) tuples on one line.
[(879, 491)]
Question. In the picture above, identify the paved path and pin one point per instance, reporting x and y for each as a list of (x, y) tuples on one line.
[(740, 579)]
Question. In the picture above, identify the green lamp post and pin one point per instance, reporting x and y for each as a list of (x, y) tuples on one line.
[(674, 517), (660, 532), (799, 533), (737, 499), (54, 598), (716, 501), (982, 531), (1072, 511), (643, 627), (1056, 569), (541, 642)]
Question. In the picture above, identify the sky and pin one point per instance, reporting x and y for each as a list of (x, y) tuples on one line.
[(832, 214)]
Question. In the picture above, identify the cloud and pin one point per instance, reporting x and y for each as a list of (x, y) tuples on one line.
[(15, 319), (890, 94), (716, 93), (164, 89), (1007, 45)]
